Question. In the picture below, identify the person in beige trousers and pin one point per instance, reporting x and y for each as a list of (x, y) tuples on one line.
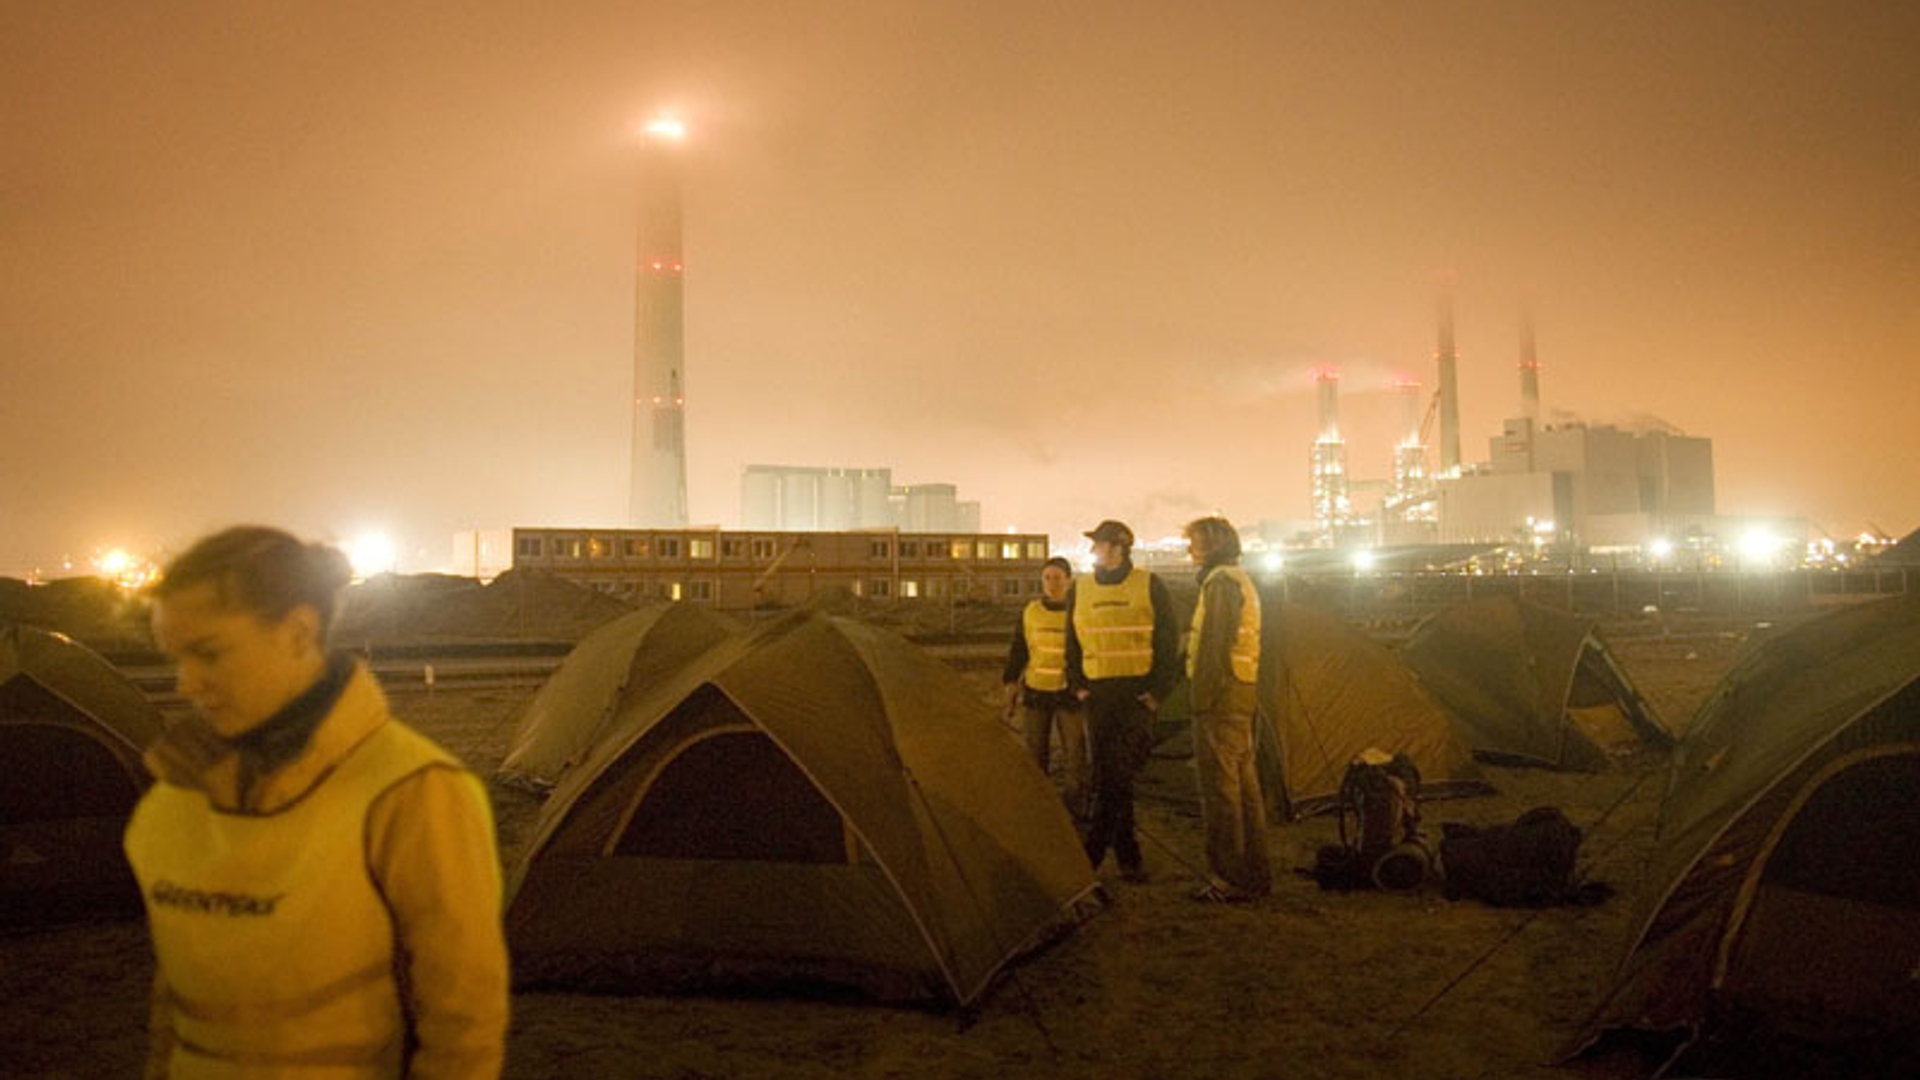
[(1223, 667)]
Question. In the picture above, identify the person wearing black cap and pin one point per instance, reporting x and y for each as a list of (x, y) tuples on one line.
[(1123, 657)]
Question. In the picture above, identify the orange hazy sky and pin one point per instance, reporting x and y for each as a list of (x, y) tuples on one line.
[(347, 264)]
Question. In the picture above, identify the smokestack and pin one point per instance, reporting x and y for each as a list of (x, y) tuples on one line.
[(1327, 462), (1529, 369), (1449, 391), (1328, 381), (657, 497), (1409, 392)]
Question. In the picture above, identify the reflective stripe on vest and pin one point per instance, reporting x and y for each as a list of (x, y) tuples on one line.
[(275, 945), (1245, 657), (1115, 625), (1046, 634)]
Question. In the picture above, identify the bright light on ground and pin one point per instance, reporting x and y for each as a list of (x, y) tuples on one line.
[(371, 553), (1759, 544), (123, 568), (1660, 547), (1272, 561), (1363, 560)]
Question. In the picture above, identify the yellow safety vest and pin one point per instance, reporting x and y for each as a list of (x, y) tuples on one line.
[(1246, 638), (273, 940), (1046, 634), (1115, 625)]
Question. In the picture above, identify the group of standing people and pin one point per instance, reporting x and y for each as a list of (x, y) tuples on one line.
[(1094, 659)]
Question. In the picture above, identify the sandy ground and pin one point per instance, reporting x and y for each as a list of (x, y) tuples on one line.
[(1304, 984)]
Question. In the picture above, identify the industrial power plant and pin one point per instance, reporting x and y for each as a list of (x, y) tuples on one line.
[(1573, 484)]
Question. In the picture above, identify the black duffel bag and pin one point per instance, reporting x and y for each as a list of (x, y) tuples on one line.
[(1526, 864)]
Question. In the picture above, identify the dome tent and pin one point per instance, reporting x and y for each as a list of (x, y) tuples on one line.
[(1328, 692), (1529, 684), (1782, 894), (71, 732), (620, 661), (815, 801)]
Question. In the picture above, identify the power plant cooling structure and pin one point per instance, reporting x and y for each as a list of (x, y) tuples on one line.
[(1409, 494), (658, 493), (1332, 493)]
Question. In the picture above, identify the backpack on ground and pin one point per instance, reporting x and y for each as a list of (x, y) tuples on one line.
[(1379, 814), (1526, 864)]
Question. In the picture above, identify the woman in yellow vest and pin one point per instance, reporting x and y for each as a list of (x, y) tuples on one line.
[(1223, 666), (322, 882), (1036, 684)]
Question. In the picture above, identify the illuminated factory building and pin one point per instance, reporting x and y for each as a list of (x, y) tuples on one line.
[(1572, 483), (804, 498), (749, 568)]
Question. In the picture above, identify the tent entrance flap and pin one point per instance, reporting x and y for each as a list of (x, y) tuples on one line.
[(1826, 947), (61, 772), (71, 731), (733, 794)]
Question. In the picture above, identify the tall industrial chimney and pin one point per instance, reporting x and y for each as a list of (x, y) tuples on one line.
[(1409, 394), (1449, 391), (1327, 463), (658, 494), (1529, 370), (1328, 382)]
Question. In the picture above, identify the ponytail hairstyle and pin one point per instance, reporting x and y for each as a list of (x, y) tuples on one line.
[(261, 570), (1217, 537), (1059, 562)]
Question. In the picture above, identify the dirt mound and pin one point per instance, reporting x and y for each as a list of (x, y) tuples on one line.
[(524, 604), (91, 610)]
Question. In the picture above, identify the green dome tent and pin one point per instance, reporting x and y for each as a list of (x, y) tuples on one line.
[(1783, 890), (1533, 685), (619, 661), (1327, 692), (813, 802), (71, 733)]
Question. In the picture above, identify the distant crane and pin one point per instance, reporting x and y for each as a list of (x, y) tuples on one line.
[(1426, 422), (760, 581)]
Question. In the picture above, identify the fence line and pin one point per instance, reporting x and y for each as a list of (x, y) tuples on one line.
[(1389, 595)]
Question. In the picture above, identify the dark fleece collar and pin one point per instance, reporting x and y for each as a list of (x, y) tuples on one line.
[(281, 737)]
